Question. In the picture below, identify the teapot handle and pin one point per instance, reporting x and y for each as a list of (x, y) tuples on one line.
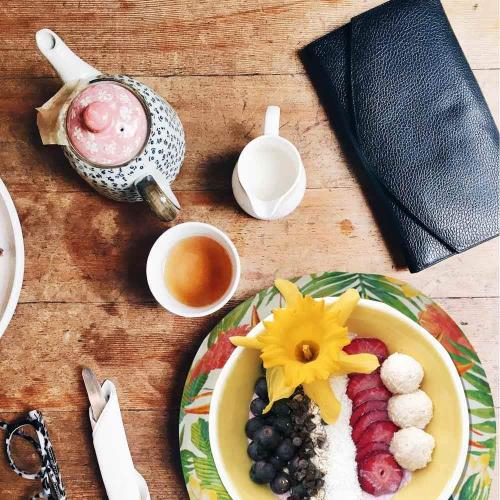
[(159, 197)]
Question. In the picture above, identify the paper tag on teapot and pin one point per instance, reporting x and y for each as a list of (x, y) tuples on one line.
[(51, 116)]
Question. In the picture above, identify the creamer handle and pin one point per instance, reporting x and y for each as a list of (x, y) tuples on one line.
[(272, 121)]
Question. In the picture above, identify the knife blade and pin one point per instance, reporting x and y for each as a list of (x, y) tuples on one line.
[(94, 392)]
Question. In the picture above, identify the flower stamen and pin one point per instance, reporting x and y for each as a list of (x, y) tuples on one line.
[(307, 351)]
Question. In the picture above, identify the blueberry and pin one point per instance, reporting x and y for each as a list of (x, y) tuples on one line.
[(267, 437), (269, 419), (297, 441), (253, 425), (276, 462), (262, 472), (257, 406), (281, 483), (256, 452), (283, 425), (281, 408), (261, 388), (286, 450)]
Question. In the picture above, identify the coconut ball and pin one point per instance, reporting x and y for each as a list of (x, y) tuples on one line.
[(412, 448), (410, 410), (401, 373)]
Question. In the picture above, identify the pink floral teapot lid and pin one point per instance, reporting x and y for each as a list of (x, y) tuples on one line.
[(106, 124)]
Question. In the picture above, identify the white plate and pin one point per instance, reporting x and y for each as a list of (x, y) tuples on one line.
[(12, 260)]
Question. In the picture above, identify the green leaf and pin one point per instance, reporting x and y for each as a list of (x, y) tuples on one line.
[(260, 298), (389, 299), (231, 320), (478, 369), (480, 397), (207, 473), (465, 361), (483, 412), (458, 358), (200, 437), (382, 285), (465, 351), (331, 290), (468, 488), (192, 389), (187, 458), (488, 426), (477, 382), (326, 280)]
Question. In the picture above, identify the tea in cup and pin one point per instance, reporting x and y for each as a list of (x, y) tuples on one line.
[(193, 269)]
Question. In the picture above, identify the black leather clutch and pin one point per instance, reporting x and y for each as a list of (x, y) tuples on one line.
[(399, 92)]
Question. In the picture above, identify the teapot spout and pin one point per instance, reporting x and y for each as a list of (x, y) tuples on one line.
[(67, 64)]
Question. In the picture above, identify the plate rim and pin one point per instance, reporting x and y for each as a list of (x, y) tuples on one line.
[(17, 281)]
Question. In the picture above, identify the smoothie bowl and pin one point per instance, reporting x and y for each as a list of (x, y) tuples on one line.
[(401, 429)]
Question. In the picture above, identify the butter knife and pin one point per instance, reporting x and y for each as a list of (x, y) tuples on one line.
[(94, 391)]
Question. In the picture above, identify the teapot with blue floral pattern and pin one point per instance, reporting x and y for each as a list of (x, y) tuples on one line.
[(120, 136)]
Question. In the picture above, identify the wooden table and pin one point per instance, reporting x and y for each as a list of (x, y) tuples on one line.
[(85, 300)]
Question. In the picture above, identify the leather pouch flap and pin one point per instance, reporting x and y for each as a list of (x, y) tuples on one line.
[(421, 121)]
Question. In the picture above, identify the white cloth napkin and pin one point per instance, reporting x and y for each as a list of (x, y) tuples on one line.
[(120, 478)]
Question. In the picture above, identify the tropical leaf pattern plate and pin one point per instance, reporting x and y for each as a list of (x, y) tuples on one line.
[(200, 473)]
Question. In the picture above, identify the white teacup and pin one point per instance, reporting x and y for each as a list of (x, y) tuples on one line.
[(158, 256), (269, 180)]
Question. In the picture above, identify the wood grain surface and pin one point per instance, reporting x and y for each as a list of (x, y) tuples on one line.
[(85, 299)]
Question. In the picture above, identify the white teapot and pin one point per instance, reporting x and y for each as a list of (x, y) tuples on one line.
[(120, 136)]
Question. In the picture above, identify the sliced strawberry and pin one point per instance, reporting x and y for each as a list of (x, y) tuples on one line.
[(373, 394), (370, 345), (359, 382), (366, 407), (371, 449), (379, 474), (378, 431), (366, 420)]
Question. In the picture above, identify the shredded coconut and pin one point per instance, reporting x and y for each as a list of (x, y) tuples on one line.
[(341, 480)]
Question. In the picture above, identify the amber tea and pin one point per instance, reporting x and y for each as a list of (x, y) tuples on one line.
[(198, 271)]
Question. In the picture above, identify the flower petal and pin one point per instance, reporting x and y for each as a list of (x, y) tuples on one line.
[(321, 393), (292, 372), (250, 342), (357, 363), (344, 307), (289, 290), (276, 386)]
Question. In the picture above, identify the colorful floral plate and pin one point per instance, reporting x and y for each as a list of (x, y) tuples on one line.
[(200, 473)]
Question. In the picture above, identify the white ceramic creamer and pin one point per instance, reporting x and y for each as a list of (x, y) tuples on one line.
[(269, 179)]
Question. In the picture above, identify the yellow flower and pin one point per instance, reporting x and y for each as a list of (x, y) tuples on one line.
[(303, 346), (480, 465), (195, 490)]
